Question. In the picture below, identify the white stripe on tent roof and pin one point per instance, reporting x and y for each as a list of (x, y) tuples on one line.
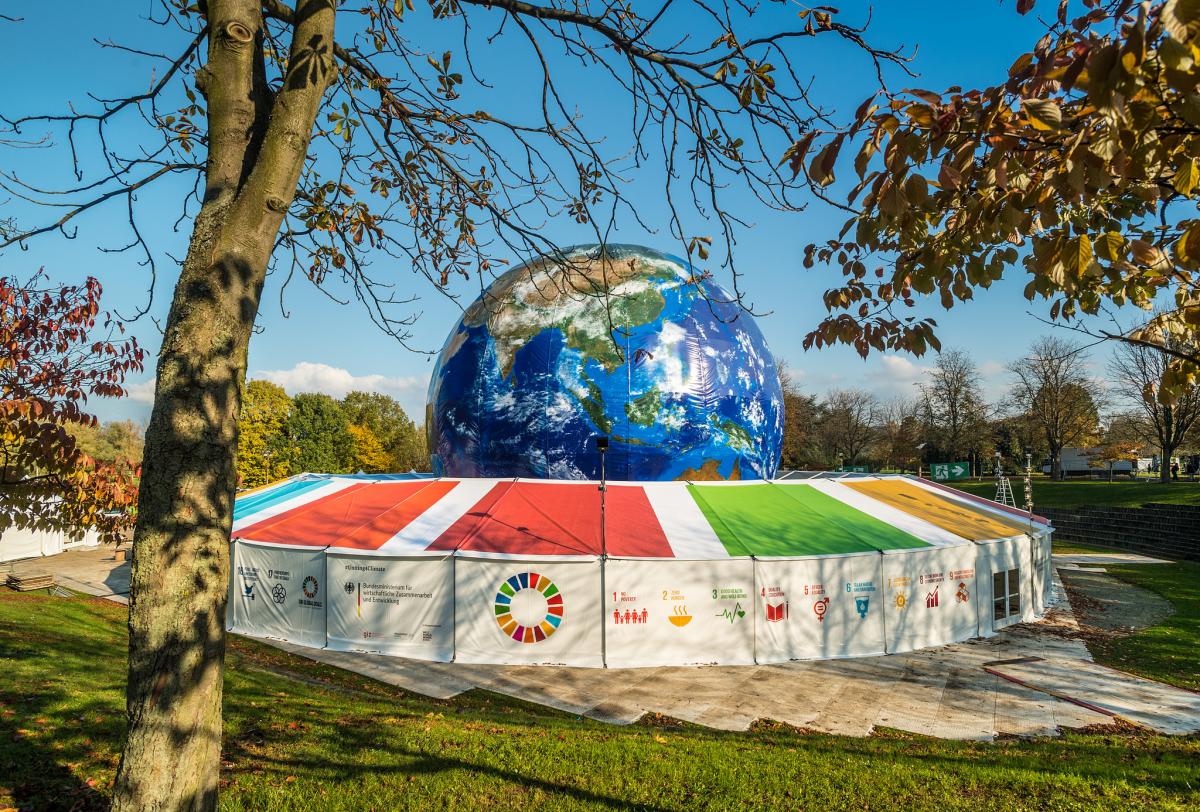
[(912, 525), (330, 488), (683, 523), (439, 517)]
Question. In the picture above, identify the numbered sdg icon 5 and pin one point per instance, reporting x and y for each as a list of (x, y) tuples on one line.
[(278, 593)]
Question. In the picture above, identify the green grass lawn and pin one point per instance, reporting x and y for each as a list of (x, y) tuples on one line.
[(1170, 651), (1048, 493), (305, 736)]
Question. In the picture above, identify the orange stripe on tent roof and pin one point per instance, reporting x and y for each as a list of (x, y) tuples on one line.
[(1017, 513), (937, 510), (533, 518), (361, 517)]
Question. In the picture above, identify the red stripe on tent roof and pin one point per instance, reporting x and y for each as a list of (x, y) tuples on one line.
[(360, 517), (533, 518)]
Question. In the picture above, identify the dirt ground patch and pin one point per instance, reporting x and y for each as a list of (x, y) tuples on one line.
[(1106, 606)]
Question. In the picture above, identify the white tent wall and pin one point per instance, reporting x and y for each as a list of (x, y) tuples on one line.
[(398, 605), (689, 612), (479, 638), (1001, 556), (1042, 568), (444, 607), (279, 591), (18, 543), (929, 596), (812, 608)]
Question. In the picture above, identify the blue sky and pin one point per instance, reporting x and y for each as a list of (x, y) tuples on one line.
[(312, 344)]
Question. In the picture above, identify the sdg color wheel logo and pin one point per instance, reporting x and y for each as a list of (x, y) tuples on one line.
[(529, 607)]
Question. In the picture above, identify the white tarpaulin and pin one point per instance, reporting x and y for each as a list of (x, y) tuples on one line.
[(1041, 570), (18, 543), (660, 612), (929, 596), (1005, 558), (402, 605), (810, 608), (543, 611), (279, 592)]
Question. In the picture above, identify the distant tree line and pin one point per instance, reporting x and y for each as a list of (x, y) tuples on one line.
[(1054, 402), (281, 435)]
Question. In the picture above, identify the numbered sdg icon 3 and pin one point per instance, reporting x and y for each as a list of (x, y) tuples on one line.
[(529, 607)]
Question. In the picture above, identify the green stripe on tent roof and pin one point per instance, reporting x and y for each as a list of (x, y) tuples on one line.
[(786, 520)]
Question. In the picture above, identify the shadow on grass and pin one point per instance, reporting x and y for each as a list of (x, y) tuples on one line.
[(61, 715)]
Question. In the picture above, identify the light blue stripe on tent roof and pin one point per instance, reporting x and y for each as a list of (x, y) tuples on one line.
[(253, 503)]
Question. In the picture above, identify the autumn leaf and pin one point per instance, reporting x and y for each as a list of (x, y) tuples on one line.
[(1043, 114), (1110, 246), (1186, 177)]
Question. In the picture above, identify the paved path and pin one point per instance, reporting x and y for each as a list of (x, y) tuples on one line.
[(1021, 682), (1075, 559), (1112, 605)]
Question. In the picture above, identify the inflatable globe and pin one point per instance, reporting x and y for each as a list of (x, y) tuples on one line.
[(623, 342)]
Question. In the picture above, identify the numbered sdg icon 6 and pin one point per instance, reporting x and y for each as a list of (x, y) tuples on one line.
[(529, 607)]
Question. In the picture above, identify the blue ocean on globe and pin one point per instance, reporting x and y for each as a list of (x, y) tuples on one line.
[(626, 342)]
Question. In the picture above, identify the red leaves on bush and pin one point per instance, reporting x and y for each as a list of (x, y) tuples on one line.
[(49, 366)]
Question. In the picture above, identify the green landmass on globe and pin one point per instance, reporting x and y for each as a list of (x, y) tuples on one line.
[(625, 342)]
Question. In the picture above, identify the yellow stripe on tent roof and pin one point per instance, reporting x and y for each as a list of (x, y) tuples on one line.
[(944, 513)]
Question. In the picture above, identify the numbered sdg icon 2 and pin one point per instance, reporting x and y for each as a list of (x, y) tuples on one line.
[(529, 607)]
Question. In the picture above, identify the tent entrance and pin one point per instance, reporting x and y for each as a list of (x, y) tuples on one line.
[(1006, 597)]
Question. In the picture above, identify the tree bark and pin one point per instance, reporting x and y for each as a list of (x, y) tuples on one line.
[(180, 573)]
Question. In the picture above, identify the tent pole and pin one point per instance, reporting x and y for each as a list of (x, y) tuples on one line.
[(453, 605)]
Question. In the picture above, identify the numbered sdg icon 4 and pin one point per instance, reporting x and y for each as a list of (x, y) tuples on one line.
[(529, 607)]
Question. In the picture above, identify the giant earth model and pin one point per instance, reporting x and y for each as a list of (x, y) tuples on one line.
[(632, 344)]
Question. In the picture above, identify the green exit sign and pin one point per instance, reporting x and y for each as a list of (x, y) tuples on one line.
[(943, 471)]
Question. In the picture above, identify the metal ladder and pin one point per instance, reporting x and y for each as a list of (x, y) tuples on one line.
[(1004, 493)]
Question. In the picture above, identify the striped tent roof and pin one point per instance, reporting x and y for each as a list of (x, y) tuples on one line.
[(412, 514)]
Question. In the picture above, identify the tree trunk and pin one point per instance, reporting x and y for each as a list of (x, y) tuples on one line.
[(180, 576)]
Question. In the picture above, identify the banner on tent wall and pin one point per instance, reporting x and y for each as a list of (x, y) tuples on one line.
[(675, 612), (401, 606), (819, 607), (929, 597), (528, 612), (279, 592)]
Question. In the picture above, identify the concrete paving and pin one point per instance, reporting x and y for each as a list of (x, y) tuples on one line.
[(1030, 680), (1076, 559), (90, 570)]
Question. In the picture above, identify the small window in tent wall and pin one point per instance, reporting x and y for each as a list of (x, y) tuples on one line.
[(1006, 597)]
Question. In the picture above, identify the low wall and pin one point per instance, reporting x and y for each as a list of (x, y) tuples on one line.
[(1167, 531)]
